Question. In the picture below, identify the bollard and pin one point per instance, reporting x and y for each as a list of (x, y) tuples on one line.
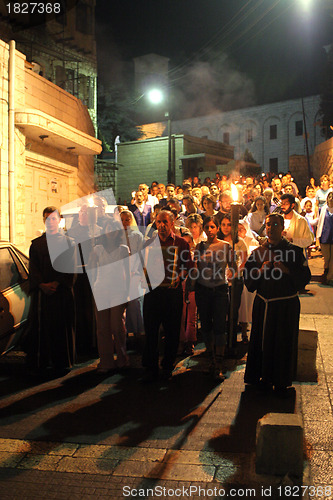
[(279, 445)]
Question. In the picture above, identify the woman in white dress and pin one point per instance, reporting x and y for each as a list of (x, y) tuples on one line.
[(256, 216), (109, 275)]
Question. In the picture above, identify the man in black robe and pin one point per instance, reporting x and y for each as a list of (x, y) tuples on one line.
[(276, 270), (50, 344), (85, 236)]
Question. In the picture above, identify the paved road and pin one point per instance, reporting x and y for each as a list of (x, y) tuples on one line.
[(84, 436)]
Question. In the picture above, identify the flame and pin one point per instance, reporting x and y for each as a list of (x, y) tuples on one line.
[(91, 202), (234, 192)]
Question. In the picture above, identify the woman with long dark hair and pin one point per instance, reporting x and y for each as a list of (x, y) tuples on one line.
[(211, 292), (237, 277), (256, 216)]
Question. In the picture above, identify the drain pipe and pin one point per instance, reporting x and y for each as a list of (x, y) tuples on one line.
[(11, 141)]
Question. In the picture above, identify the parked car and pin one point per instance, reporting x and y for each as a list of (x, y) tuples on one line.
[(14, 297)]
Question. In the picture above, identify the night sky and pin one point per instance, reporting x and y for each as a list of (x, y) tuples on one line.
[(250, 52)]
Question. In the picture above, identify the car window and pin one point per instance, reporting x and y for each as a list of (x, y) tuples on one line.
[(23, 258), (20, 267), (9, 275)]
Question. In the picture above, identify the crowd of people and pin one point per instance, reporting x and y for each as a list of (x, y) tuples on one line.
[(177, 260)]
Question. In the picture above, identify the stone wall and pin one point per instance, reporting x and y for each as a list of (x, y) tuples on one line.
[(19, 146), (323, 159), (53, 100), (34, 157), (145, 161)]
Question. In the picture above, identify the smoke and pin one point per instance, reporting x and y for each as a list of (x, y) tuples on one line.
[(211, 87)]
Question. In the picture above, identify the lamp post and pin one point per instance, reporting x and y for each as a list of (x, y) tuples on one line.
[(156, 96)]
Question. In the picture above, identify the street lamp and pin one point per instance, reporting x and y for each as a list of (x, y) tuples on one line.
[(156, 96), (306, 5)]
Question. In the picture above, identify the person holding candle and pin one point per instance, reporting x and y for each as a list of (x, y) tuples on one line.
[(247, 298), (109, 278), (211, 293), (236, 279), (256, 216), (84, 233)]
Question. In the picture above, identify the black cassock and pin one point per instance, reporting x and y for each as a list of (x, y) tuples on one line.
[(50, 341), (272, 355)]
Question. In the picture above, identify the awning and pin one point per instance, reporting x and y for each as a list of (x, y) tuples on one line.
[(39, 126)]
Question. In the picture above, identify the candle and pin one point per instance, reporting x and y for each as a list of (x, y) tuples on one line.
[(235, 210)]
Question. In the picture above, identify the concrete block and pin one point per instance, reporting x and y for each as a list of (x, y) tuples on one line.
[(279, 444), (307, 351)]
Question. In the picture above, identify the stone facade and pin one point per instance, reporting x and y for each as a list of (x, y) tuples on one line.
[(272, 133), (323, 159), (54, 146), (61, 48)]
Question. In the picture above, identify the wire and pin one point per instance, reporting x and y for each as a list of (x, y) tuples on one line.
[(198, 54), (242, 34), (222, 34)]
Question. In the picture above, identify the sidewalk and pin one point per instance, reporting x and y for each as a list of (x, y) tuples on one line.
[(87, 437)]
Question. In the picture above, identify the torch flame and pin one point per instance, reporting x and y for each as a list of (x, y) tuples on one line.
[(234, 192), (91, 202)]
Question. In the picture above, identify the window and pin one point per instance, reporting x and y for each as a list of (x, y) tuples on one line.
[(25, 261), (273, 132), (248, 135), (9, 275), (226, 138), (273, 165), (299, 127)]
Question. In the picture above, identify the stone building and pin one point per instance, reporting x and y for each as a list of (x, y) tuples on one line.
[(47, 147), (271, 133), (59, 45)]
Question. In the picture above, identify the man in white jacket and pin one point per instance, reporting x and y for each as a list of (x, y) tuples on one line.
[(296, 227)]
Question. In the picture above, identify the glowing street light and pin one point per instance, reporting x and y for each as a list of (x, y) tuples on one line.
[(306, 4), (156, 96)]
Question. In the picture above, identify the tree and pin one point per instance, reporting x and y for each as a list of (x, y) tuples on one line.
[(116, 116)]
